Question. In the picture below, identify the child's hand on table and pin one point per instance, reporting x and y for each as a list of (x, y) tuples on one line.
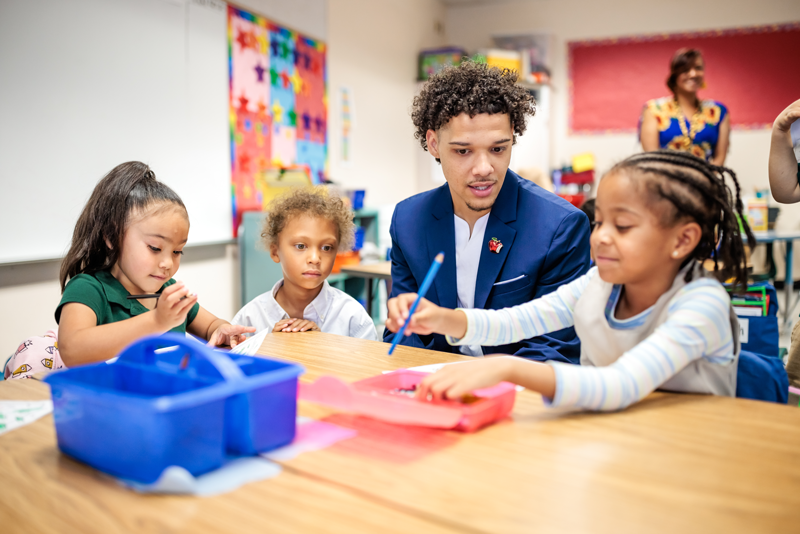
[(229, 335), (455, 381), (173, 305), (296, 325), (427, 319)]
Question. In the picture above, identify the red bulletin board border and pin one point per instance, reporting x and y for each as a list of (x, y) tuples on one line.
[(602, 101)]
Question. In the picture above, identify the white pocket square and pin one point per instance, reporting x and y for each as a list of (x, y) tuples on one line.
[(520, 277)]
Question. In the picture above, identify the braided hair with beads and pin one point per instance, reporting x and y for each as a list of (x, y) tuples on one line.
[(697, 190)]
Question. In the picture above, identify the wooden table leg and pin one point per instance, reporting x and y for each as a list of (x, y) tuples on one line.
[(368, 281)]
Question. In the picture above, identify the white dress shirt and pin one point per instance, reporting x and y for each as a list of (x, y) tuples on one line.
[(333, 310), (468, 259)]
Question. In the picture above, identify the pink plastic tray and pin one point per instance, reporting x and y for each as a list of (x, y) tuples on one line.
[(377, 397)]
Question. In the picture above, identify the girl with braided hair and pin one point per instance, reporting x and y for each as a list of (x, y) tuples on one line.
[(649, 316)]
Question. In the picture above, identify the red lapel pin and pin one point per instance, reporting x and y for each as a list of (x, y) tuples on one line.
[(495, 245)]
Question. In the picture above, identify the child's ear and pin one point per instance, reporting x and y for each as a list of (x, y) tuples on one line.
[(273, 252), (689, 236), (108, 243), (433, 143)]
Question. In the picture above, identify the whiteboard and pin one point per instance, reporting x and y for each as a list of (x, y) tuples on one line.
[(89, 84)]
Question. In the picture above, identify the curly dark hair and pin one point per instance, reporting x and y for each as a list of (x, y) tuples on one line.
[(471, 88), (316, 202), (696, 190)]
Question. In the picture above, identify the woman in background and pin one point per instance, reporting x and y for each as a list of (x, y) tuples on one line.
[(683, 121)]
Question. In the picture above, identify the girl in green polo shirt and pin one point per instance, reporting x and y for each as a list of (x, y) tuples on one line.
[(128, 241)]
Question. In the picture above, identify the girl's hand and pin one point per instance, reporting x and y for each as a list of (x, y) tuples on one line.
[(784, 121), (455, 381), (296, 325), (173, 306), (229, 335), (427, 319)]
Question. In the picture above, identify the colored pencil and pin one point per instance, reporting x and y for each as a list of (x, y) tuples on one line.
[(426, 284)]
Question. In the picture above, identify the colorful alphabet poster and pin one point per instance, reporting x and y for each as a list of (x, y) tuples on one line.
[(278, 108)]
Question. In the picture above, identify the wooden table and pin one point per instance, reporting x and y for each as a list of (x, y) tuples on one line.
[(371, 271), (44, 491), (672, 463)]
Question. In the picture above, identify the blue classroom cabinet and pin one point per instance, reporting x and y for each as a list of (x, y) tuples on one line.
[(259, 273)]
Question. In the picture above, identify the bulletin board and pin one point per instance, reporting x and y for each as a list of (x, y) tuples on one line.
[(753, 71), (278, 107)]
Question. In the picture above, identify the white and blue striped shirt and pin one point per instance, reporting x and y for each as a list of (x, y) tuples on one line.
[(697, 326)]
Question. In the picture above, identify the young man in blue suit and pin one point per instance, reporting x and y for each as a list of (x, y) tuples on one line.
[(506, 241)]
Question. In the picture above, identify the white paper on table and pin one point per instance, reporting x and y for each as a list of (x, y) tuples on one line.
[(250, 346), (14, 414), (235, 473)]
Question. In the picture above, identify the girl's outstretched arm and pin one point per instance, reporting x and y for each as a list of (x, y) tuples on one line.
[(218, 332), (546, 314), (455, 381), (427, 319), (698, 327), (490, 327), (82, 341)]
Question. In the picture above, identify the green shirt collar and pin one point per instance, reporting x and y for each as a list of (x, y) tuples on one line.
[(116, 292)]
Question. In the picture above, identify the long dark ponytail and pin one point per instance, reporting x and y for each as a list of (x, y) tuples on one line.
[(697, 190), (129, 187)]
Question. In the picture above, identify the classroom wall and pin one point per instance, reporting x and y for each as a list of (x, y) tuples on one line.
[(373, 51), (373, 47), (473, 25), (306, 16)]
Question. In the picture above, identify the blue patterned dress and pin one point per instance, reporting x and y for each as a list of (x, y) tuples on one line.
[(698, 135)]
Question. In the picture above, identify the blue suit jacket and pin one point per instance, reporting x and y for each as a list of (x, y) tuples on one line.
[(545, 244)]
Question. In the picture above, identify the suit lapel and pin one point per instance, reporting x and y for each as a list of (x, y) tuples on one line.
[(441, 237), (503, 211)]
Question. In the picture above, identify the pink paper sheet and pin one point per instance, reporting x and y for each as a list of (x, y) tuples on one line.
[(311, 435)]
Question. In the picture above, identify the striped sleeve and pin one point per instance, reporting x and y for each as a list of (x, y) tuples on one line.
[(697, 326), (535, 318)]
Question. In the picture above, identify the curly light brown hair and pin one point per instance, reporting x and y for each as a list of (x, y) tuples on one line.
[(471, 88), (316, 202)]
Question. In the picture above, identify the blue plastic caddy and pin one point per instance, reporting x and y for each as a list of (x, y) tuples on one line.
[(168, 400)]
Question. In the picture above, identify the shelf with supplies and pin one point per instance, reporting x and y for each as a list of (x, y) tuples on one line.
[(259, 273)]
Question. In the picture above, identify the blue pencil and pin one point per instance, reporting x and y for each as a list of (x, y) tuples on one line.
[(426, 284)]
